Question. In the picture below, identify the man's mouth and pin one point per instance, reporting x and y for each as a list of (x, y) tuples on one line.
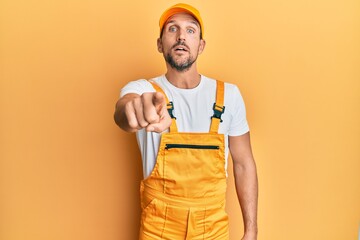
[(181, 48)]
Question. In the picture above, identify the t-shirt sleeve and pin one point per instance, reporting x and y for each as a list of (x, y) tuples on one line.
[(239, 124), (139, 87)]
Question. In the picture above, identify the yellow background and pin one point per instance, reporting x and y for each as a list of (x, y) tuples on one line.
[(67, 171)]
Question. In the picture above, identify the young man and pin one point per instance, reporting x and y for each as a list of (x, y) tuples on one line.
[(185, 125)]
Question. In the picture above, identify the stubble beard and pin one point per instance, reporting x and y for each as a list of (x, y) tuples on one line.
[(180, 66)]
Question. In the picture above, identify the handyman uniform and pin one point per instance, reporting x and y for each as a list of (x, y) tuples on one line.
[(184, 196), (183, 193)]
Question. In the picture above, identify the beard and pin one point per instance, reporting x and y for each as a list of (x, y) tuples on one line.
[(180, 66)]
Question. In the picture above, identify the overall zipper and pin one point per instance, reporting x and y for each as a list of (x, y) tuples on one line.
[(192, 146)]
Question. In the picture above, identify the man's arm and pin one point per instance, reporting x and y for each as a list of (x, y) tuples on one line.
[(134, 112), (246, 182)]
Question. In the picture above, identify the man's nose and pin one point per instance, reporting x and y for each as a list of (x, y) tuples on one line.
[(181, 35)]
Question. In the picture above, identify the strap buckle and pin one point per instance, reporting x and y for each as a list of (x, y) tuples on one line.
[(218, 111), (170, 108)]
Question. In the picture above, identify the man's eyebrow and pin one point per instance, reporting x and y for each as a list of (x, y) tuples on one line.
[(196, 23), (171, 21), (193, 22)]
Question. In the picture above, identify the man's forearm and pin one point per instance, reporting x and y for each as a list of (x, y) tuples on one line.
[(247, 192)]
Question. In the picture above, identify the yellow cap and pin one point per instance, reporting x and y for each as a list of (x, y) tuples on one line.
[(180, 8)]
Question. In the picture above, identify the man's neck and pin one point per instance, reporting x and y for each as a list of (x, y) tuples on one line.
[(187, 79)]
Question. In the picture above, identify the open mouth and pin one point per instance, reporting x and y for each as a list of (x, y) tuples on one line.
[(180, 50)]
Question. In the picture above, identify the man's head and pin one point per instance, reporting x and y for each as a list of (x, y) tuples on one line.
[(181, 8), (181, 36)]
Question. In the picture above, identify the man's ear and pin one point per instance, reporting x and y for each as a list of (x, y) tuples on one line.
[(159, 45), (201, 46)]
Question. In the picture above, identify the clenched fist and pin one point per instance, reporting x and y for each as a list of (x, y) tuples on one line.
[(134, 112)]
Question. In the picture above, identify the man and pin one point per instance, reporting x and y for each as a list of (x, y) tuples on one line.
[(185, 124)]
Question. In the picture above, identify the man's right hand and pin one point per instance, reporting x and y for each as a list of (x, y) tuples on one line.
[(134, 112)]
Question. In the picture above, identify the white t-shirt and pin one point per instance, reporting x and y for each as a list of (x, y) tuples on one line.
[(193, 109)]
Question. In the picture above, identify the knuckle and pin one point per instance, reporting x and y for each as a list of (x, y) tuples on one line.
[(133, 123), (128, 106), (151, 118), (143, 124), (145, 96), (136, 102), (129, 113)]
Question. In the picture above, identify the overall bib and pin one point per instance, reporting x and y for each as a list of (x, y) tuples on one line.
[(184, 196)]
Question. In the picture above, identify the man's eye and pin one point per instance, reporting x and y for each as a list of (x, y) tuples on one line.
[(190, 30), (172, 29)]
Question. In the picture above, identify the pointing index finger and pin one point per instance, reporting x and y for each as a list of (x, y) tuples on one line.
[(159, 102)]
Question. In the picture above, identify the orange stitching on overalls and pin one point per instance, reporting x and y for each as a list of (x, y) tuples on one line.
[(164, 224)]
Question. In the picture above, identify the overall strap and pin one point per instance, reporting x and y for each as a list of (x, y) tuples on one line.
[(169, 106), (218, 107)]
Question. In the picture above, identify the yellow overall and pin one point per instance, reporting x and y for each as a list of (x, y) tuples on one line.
[(184, 196)]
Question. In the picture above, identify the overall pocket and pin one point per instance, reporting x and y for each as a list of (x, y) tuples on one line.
[(192, 170)]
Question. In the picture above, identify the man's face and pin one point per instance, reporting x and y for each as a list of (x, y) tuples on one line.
[(180, 42)]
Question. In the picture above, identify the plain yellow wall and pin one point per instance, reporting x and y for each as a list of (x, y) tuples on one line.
[(67, 171)]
